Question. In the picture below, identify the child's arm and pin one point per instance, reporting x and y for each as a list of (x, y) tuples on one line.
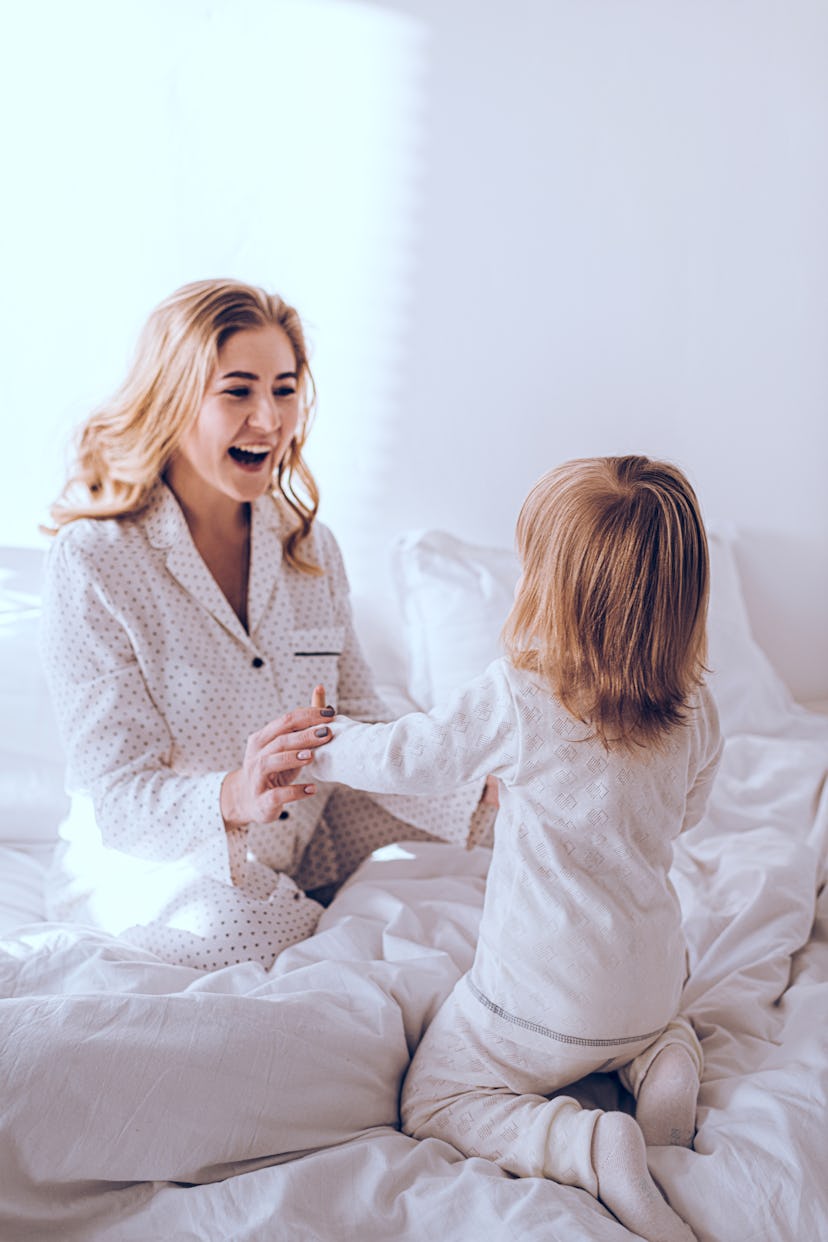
[(474, 735)]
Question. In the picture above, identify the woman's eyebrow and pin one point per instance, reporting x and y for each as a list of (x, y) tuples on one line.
[(250, 375)]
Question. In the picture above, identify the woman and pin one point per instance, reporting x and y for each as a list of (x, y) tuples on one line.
[(191, 603)]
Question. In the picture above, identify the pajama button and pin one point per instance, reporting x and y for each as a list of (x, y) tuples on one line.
[(284, 815), (257, 662)]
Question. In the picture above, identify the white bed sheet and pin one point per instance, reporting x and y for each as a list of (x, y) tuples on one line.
[(22, 872), (295, 1122)]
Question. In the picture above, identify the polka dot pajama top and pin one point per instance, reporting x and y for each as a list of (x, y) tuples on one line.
[(157, 686)]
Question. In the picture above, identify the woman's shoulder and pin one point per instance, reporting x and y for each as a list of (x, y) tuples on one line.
[(323, 544), (158, 521), (96, 537), (86, 539), (321, 547), (278, 514), (89, 535), (96, 548)]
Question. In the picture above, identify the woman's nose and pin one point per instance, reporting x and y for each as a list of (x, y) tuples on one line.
[(267, 415)]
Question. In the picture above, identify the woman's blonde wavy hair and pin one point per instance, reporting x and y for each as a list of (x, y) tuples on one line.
[(124, 447), (611, 610)]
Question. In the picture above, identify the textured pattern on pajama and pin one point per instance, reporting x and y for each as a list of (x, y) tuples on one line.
[(581, 959)]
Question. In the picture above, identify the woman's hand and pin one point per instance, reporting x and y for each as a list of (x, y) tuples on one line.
[(273, 759)]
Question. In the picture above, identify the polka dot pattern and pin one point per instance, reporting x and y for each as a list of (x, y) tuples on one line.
[(157, 686)]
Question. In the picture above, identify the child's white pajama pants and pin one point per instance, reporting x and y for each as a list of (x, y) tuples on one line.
[(488, 1095)]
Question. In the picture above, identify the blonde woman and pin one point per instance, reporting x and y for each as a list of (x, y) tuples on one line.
[(192, 605), (605, 741)]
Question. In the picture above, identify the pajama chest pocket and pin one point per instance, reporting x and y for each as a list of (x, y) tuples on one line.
[(314, 658)]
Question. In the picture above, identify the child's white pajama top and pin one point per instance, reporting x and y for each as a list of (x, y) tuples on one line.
[(580, 939)]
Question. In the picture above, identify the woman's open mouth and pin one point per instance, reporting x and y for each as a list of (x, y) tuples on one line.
[(251, 456)]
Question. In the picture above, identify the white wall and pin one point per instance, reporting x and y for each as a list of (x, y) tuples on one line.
[(623, 247), (147, 143), (519, 231)]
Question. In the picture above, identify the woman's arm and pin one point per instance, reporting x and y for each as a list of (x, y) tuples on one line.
[(119, 746)]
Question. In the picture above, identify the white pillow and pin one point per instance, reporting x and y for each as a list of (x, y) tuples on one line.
[(750, 694), (377, 623), (454, 598), (32, 799), (22, 899)]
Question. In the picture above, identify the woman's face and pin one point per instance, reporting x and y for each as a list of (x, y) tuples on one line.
[(246, 421)]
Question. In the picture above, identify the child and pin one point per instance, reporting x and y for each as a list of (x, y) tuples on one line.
[(605, 741)]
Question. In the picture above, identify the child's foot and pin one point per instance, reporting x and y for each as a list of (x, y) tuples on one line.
[(625, 1185), (667, 1098)]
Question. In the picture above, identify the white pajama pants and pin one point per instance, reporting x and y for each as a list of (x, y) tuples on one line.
[(192, 919), (488, 1095)]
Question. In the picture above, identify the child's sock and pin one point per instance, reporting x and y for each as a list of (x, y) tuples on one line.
[(667, 1098), (625, 1184)]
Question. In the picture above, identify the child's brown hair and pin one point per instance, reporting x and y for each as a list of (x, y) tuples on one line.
[(612, 607)]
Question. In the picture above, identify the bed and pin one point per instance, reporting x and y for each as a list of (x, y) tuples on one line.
[(144, 1101)]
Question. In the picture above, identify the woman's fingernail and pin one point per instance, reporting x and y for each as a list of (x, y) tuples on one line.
[(323, 732), (303, 754), (327, 711)]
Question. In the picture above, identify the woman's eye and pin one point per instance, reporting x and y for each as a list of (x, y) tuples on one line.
[(237, 392), (284, 392)]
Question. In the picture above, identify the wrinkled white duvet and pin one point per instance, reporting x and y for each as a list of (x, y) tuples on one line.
[(143, 1101)]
